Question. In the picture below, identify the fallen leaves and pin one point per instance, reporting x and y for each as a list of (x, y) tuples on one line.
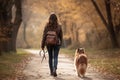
[(12, 66)]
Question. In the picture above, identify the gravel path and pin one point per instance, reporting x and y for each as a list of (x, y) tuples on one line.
[(35, 70)]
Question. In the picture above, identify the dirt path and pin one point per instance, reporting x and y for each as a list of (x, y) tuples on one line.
[(37, 71)]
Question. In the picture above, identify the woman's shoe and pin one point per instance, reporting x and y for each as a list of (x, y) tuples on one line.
[(54, 74)]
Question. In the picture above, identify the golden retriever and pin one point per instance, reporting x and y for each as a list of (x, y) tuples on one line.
[(80, 62)]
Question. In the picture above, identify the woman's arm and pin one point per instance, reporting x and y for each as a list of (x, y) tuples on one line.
[(43, 38), (61, 35)]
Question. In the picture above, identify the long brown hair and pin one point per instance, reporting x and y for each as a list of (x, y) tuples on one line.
[(53, 21)]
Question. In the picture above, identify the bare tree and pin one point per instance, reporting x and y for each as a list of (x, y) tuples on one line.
[(108, 24)]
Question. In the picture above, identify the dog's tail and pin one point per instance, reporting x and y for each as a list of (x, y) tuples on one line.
[(82, 69)]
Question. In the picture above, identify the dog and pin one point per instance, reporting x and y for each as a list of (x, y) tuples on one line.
[(80, 62)]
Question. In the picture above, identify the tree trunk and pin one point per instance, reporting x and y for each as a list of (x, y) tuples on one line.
[(108, 25), (24, 36), (6, 25), (17, 23)]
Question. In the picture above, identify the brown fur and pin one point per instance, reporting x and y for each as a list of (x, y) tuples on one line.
[(80, 62)]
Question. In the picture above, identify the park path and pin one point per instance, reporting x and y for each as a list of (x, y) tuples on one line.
[(35, 70)]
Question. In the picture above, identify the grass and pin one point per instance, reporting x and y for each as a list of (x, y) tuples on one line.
[(106, 61), (8, 62)]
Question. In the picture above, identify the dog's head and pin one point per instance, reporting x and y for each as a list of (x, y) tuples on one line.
[(80, 50)]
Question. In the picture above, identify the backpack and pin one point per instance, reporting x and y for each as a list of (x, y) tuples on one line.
[(51, 38)]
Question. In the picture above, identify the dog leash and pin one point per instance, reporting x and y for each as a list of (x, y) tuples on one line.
[(40, 52), (43, 55)]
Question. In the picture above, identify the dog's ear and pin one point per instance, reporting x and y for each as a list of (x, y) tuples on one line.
[(77, 50), (83, 50)]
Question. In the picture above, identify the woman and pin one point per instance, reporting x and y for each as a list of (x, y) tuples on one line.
[(53, 50)]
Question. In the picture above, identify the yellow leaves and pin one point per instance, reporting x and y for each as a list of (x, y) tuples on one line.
[(82, 35), (66, 36)]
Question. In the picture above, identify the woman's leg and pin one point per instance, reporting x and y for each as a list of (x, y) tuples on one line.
[(56, 52), (50, 58)]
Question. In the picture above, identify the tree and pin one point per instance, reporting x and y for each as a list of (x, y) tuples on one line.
[(9, 25), (108, 24)]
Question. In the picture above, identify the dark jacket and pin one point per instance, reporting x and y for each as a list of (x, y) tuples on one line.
[(59, 34)]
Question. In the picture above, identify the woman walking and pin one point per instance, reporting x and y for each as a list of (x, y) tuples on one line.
[(52, 39)]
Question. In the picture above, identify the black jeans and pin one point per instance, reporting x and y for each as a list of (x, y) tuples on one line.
[(53, 52)]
